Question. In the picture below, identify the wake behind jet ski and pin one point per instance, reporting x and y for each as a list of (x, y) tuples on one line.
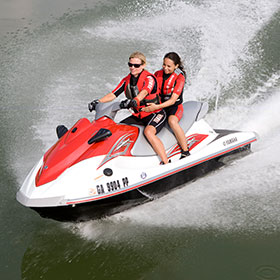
[(100, 168)]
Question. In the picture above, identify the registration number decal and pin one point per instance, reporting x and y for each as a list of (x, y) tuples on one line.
[(112, 186)]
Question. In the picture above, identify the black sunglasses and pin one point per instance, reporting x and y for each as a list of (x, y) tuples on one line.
[(135, 65)]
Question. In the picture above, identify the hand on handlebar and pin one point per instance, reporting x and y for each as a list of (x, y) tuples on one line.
[(92, 105), (128, 103), (124, 104)]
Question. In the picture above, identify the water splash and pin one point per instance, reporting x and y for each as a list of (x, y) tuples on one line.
[(69, 63), (210, 37), (242, 197)]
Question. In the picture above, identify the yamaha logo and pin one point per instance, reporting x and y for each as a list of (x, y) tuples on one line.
[(230, 141)]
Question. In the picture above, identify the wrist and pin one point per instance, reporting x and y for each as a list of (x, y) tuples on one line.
[(137, 101)]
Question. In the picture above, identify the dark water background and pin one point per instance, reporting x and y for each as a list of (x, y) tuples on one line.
[(56, 56)]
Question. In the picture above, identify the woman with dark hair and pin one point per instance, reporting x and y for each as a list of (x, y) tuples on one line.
[(171, 81)]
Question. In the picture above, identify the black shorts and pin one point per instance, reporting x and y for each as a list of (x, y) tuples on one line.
[(176, 110), (157, 120)]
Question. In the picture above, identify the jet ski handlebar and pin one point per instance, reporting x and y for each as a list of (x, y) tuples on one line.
[(109, 109)]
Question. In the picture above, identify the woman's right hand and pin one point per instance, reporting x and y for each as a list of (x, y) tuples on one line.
[(150, 108)]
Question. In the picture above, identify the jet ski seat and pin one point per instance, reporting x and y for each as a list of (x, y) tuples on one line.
[(193, 111)]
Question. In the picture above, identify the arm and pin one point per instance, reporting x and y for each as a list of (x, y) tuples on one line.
[(107, 98), (179, 86), (142, 94), (148, 88), (115, 93), (152, 107)]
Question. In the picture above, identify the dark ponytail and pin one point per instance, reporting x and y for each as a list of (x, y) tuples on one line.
[(176, 59)]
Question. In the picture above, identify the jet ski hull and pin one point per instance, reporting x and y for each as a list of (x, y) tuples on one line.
[(118, 203)]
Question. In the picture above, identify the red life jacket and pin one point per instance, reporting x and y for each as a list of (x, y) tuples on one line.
[(173, 84), (132, 91)]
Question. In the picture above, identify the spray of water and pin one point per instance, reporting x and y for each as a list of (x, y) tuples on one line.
[(244, 195), (77, 64)]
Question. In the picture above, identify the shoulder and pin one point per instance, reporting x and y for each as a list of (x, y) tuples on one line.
[(159, 73), (146, 73), (180, 74)]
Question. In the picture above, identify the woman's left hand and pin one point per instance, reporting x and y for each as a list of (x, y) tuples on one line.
[(150, 108)]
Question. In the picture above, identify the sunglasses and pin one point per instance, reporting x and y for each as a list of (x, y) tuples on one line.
[(134, 65)]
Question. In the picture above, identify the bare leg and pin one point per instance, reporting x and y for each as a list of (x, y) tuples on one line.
[(150, 133), (178, 131)]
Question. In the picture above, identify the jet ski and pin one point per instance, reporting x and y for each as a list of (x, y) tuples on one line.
[(101, 167)]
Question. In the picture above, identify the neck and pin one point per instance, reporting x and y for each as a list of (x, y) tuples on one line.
[(136, 75)]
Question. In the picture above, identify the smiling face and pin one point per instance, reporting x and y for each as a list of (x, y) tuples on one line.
[(169, 66), (133, 70)]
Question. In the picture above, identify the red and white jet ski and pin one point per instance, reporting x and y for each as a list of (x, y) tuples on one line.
[(102, 167)]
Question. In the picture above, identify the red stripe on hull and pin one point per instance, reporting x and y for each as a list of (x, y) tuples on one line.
[(166, 175)]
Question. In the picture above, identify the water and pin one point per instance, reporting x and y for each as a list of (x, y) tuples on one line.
[(56, 57)]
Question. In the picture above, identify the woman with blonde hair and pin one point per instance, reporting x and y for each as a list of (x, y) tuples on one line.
[(140, 88)]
